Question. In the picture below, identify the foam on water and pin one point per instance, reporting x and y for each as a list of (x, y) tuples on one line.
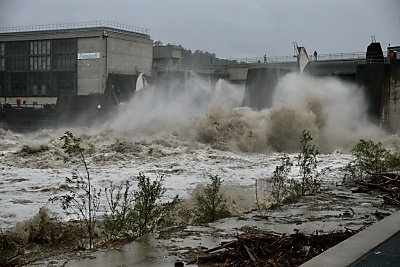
[(193, 135)]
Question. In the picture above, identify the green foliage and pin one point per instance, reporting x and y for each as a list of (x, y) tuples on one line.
[(118, 221), (211, 205), (371, 158), (132, 214), (279, 179), (147, 208), (83, 200), (290, 190), (307, 161), (295, 191)]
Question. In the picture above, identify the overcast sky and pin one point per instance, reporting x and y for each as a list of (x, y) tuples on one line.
[(230, 28)]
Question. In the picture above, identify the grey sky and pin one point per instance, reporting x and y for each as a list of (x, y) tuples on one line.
[(230, 28)]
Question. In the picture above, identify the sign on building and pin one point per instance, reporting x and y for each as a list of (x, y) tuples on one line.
[(89, 55)]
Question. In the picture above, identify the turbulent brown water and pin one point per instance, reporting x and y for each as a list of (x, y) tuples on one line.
[(198, 133), (333, 111)]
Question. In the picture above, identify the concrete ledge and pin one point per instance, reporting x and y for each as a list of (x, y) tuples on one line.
[(355, 247)]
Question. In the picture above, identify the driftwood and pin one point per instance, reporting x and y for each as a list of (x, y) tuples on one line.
[(386, 182), (378, 186), (222, 246), (273, 249), (391, 200)]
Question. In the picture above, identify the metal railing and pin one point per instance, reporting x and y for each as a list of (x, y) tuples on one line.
[(290, 59), (75, 25), (338, 56), (280, 59)]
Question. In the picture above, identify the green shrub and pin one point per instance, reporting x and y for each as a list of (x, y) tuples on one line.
[(211, 205), (307, 161), (290, 190), (83, 200), (371, 158), (280, 179), (117, 220), (132, 214), (148, 208)]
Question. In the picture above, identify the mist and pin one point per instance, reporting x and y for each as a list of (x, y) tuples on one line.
[(333, 111), (169, 106), (198, 110)]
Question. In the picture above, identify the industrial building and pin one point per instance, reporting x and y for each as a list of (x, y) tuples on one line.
[(41, 62), (69, 74)]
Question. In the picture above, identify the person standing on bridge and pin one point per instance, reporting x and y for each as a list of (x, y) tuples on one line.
[(315, 55), (265, 58)]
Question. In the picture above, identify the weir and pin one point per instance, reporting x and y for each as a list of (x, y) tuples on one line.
[(377, 75)]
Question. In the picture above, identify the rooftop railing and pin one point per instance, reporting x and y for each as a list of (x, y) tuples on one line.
[(73, 26)]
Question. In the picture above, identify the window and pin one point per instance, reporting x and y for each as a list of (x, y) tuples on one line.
[(17, 63), (39, 63), (2, 60), (64, 82), (39, 83), (2, 84), (39, 47), (17, 48), (64, 62), (64, 46), (64, 54), (16, 56), (17, 84), (38, 67)]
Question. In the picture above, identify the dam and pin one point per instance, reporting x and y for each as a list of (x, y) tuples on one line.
[(76, 74), (376, 72)]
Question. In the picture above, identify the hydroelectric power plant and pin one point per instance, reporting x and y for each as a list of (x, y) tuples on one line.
[(77, 74)]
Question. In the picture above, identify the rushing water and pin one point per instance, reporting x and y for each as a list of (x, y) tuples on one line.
[(187, 139)]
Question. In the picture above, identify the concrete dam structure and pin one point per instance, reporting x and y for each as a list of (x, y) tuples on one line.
[(378, 76)]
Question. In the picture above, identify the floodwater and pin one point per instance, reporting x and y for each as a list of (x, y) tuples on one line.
[(335, 209), (187, 141)]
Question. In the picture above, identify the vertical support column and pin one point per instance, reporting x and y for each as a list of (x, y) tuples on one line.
[(104, 71)]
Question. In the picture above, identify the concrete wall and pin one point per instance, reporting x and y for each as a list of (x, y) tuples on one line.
[(371, 77), (167, 51), (121, 54), (129, 55), (260, 87), (394, 98), (237, 72), (91, 72), (381, 83)]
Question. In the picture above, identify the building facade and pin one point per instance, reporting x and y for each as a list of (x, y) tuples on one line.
[(48, 61)]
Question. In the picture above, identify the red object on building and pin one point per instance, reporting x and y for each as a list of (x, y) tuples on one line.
[(18, 101)]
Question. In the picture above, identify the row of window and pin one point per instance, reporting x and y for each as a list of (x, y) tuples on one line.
[(21, 63), (44, 83), (39, 63), (57, 54), (41, 47)]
